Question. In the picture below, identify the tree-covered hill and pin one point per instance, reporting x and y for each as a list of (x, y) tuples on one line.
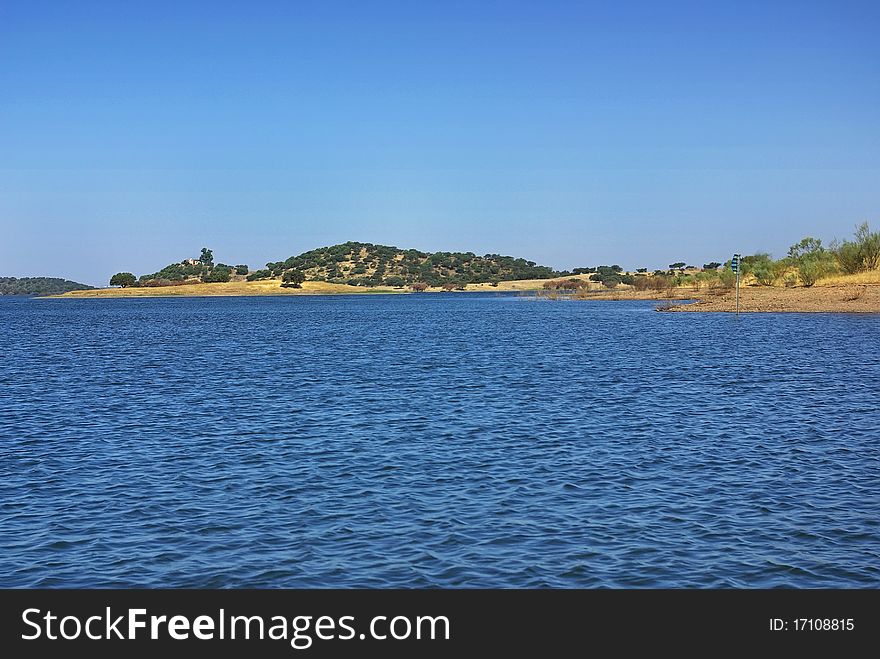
[(39, 286), (365, 264), (189, 271)]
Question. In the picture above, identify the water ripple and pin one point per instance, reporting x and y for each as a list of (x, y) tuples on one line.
[(442, 440)]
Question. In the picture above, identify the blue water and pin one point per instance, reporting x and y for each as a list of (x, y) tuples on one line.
[(435, 440)]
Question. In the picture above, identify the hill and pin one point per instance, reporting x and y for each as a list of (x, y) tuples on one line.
[(366, 264), (39, 286)]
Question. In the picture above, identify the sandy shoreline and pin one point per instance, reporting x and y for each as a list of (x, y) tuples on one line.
[(855, 294), (845, 298)]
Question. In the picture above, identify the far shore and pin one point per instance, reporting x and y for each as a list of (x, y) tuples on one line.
[(843, 294)]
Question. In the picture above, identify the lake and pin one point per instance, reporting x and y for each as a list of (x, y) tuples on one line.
[(460, 440)]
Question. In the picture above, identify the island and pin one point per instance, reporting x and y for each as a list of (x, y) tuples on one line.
[(842, 277), (40, 286)]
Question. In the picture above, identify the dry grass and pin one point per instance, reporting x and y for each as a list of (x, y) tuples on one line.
[(525, 284), (870, 277), (232, 288)]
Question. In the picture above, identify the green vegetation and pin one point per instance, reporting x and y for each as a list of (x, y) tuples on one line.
[(293, 279), (366, 264), (369, 265), (611, 275), (860, 254), (813, 261), (123, 279), (188, 271), (218, 273), (39, 286)]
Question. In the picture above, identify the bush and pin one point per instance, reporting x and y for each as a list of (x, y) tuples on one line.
[(812, 269), (419, 287), (764, 273), (219, 274), (660, 282), (862, 253), (812, 260), (259, 274), (641, 282), (727, 278)]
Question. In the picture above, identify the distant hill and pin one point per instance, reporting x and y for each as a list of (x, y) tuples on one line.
[(39, 286), (365, 264)]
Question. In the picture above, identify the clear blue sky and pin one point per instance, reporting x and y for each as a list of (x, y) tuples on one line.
[(570, 133)]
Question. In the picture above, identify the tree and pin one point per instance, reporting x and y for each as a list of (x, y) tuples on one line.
[(677, 266), (714, 265), (761, 266), (124, 279), (643, 270), (869, 244), (207, 257), (292, 279), (241, 269), (419, 287), (222, 273), (812, 260), (807, 247)]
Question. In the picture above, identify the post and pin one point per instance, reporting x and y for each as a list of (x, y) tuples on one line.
[(737, 291), (734, 265)]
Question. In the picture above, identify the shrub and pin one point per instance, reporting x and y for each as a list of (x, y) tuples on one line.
[(641, 282), (221, 273), (862, 253), (812, 269), (660, 282), (727, 278), (812, 260), (764, 273), (419, 287), (259, 274)]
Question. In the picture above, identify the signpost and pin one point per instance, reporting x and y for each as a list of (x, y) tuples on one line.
[(734, 265)]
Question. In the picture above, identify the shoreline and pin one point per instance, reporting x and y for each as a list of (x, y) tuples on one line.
[(836, 295)]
